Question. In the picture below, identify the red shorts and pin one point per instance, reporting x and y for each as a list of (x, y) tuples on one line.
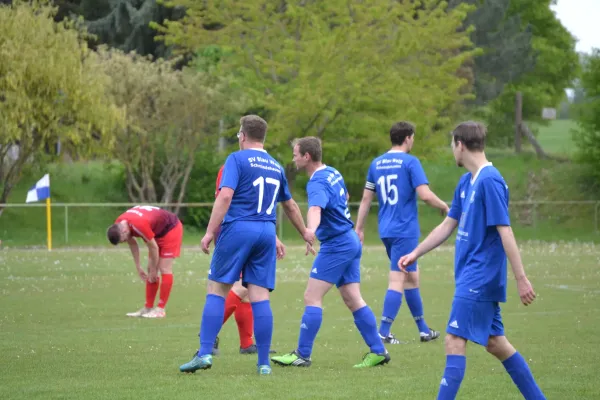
[(169, 246)]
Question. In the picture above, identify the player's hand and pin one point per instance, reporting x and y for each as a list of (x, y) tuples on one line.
[(142, 274), (445, 211), (526, 292), (309, 236), (206, 240), (280, 249), (153, 276), (310, 249), (406, 260), (361, 235)]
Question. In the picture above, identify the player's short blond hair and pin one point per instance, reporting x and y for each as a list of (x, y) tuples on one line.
[(254, 127)]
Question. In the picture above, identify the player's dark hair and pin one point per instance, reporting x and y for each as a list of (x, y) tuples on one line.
[(400, 131), (114, 234), (254, 127), (310, 145), (471, 134)]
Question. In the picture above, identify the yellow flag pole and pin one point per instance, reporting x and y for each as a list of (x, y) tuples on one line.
[(49, 223)]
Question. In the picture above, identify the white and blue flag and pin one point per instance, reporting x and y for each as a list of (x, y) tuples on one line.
[(39, 191)]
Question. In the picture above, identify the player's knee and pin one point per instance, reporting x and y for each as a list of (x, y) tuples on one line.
[(455, 344), (312, 299), (352, 298), (499, 347), (412, 280)]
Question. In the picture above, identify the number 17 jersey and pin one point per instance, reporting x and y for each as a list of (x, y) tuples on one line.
[(258, 182), (394, 177)]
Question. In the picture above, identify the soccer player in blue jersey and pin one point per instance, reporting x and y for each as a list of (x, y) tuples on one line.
[(338, 261), (483, 242), (398, 178), (252, 184)]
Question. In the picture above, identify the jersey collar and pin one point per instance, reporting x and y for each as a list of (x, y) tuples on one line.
[(263, 150), (474, 178), (395, 151), (318, 169)]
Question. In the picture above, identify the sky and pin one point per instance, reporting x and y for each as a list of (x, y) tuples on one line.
[(581, 18)]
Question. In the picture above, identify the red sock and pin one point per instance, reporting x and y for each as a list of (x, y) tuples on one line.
[(151, 289), (245, 323), (165, 289), (231, 303)]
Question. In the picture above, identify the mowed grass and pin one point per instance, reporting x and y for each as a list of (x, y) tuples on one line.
[(556, 138), (64, 334)]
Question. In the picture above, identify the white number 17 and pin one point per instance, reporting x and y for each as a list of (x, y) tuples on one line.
[(260, 182)]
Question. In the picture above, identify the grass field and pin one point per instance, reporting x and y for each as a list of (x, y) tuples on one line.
[(556, 138), (65, 335)]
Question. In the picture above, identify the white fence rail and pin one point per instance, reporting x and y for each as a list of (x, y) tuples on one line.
[(518, 208)]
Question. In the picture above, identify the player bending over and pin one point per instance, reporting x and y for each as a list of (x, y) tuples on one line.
[(483, 242), (253, 182), (338, 261), (162, 232), (398, 178)]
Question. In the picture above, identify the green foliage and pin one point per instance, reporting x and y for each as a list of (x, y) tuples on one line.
[(587, 136), (556, 66), (202, 186), (506, 46), (171, 114), (49, 91), (337, 71)]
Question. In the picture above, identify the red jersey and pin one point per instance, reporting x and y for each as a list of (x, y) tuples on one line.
[(149, 222), (219, 177)]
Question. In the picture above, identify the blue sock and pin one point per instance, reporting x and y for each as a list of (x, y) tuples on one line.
[(415, 304), (453, 376), (311, 323), (367, 326), (391, 306), (519, 371), (263, 329), (212, 321)]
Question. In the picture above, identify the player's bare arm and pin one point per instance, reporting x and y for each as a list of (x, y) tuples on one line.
[(363, 211), (293, 212), (437, 236), (280, 248), (220, 208), (514, 257), (152, 260), (135, 252), (430, 198)]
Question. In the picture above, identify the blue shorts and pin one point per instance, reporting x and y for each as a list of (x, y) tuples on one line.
[(246, 247), (338, 261), (475, 320), (398, 247)]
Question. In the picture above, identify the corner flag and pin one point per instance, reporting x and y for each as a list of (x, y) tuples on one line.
[(41, 191)]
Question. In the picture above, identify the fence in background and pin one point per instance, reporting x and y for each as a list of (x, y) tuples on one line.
[(523, 213)]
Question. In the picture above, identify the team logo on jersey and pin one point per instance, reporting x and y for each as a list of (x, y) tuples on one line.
[(462, 194)]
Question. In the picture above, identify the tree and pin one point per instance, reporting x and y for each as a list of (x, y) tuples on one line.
[(170, 115), (556, 66), (49, 91), (125, 24), (337, 70), (506, 43), (587, 135)]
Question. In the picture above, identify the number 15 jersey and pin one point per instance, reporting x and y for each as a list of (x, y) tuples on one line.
[(258, 182), (394, 177)]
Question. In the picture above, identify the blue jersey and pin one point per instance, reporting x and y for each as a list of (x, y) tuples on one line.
[(326, 189), (480, 260), (258, 182), (394, 176)]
